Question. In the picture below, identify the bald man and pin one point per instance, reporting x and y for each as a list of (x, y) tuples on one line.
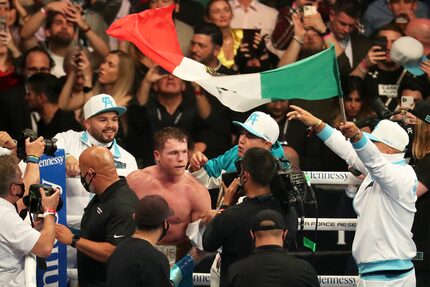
[(107, 219), (420, 29)]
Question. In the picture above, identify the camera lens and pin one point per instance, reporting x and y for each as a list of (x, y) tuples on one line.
[(50, 146)]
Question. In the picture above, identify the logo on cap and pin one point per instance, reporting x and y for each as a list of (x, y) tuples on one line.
[(107, 101)]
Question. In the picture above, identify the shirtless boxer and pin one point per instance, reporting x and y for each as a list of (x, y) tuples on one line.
[(184, 194)]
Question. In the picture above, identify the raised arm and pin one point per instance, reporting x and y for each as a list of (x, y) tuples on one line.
[(292, 53)]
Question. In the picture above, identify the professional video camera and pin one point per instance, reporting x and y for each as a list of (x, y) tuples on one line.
[(33, 201), (288, 185), (50, 144), (381, 111)]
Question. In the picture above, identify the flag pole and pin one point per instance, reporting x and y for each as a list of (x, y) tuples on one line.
[(342, 109)]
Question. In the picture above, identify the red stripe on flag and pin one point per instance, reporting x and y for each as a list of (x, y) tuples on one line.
[(154, 33)]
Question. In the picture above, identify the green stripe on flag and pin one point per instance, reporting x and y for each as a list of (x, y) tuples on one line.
[(313, 78)]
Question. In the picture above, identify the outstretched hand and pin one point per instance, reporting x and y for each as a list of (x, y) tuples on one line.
[(304, 116)]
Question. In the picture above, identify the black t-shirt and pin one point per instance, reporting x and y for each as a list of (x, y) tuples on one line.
[(380, 83), (107, 218), (421, 227), (61, 122), (135, 262), (271, 266), (230, 229)]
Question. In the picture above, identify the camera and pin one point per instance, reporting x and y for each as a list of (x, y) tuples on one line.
[(33, 201), (50, 144), (288, 185)]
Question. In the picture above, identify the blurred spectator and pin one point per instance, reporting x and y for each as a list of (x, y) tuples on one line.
[(62, 21), (357, 109), (206, 44), (420, 29), (255, 15), (380, 74), (284, 29), (43, 90), (344, 19), (183, 30), (381, 12), (170, 103), (219, 13), (14, 116)]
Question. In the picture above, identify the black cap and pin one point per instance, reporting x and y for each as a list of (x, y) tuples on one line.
[(422, 111), (268, 220), (152, 210)]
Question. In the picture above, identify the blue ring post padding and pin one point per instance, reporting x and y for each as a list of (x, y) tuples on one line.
[(175, 275)]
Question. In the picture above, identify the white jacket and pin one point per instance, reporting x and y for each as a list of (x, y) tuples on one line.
[(384, 203)]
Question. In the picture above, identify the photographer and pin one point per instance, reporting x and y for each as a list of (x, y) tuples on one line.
[(384, 203), (17, 237), (34, 148), (230, 228)]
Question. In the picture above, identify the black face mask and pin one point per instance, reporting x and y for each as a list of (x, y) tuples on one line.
[(164, 232), (85, 184)]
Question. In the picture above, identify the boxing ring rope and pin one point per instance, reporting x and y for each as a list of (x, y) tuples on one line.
[(324, 224), (204, 279)]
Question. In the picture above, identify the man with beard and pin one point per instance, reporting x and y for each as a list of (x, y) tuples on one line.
[(101, 126), (108, 217), (62, 21), (205, 46)]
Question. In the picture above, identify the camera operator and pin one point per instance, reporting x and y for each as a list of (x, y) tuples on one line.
[(17, 237), (385, 202), (229, 229)]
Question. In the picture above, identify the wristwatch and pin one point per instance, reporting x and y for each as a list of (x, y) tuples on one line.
[(75, 240)]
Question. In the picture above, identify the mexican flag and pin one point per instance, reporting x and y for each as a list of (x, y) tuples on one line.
[(153, 32)]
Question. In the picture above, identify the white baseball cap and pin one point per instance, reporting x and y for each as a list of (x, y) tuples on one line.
[(261, 125), (101, 103), (389, 133), (408, 52)]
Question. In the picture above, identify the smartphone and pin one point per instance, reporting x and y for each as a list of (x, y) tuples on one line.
[(248, 37), (381, 42), (407, 102), (309, 10), (162, 71), (3, 25)]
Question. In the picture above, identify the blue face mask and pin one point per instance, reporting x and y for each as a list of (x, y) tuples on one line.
[(85, 184)]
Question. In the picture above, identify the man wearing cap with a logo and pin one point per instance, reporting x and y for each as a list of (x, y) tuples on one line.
[(385, 202), (136, 262), (107, 219), (259, 130), (101, 126), (269, 264)]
